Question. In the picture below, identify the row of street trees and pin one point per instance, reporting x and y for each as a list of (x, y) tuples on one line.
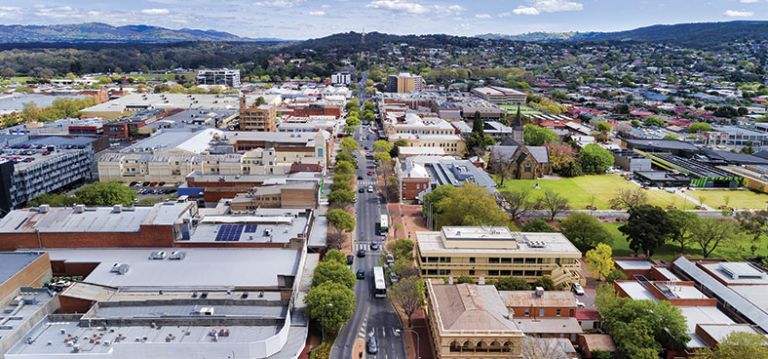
[(408, 293), (331, 299), (342, 195), (94, 194)]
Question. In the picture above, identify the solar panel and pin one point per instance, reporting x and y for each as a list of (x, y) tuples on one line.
[(250, 228), (229, 233)]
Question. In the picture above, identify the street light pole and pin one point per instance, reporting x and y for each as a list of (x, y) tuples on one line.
[(418, 340)]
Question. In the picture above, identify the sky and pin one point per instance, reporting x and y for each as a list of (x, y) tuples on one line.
[(303, 19)]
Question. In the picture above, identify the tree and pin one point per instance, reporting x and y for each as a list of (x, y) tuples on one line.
[(478, 141), (708, 234), (341, 198), (408, 294), (346, 157), (648, 228), (653, 121), (683, 223), (342, 220), (754, 223), (470, 205), (404, 267), (541, 348), (563, 161), (349, 145), (331, 304), (538, 136), (518, 202), (105, 194), (395, 152), (401, 248), (382, 156), (641, 328), (344, 168), (343, 182), (53, 200), (537, 225), (353, 121), (333, 271), (511, 283), (699, 127), (737, 345), (545, 282), (464, 280), (627, 198), (595, 159), (335, 255), (554, 203), (584, 231), (614, 275), (382, 146), (603, 127), (599, 261)]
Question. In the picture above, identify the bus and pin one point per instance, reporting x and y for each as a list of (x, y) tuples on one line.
[(379, 284), (383, 224)]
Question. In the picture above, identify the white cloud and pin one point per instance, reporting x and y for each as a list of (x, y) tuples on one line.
[(526, 10), (736, 13), (537, 7), (749, 1), (483, 16), (279, 3), (412, 7), (155, 11), (317, 13)]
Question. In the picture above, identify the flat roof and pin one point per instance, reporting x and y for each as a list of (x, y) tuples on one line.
[(633, 264), (92, 219), (553, 244), (549, 325), (528, 298), (735, 273), (176, 101), (636, 291), (702, 315), (250, 229), (11, 263), (200, 268)]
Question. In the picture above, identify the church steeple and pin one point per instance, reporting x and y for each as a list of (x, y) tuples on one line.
[(517, 128)]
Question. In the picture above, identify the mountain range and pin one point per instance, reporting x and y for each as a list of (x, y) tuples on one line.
[(694, 34), (99, 32)]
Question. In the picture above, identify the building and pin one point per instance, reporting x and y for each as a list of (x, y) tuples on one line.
[(257, 116), (405, 83), (544, 314), (222, 77), (632, 161), (191, 119), (217, 187), (27, 269), (126, 127), (288, 195), (484, 253), (470, 321), (330, 124), (500, 95), (43, 165), (341, 78), (166, 101), (520, 161), (732, 136), (421, 174)]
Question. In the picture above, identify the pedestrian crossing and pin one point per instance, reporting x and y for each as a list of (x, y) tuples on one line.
[(370, 182)]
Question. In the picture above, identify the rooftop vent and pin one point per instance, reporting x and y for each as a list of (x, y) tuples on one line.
[(119, 268), (43, 208), (79, 208), (157, 255), (177, 256), (118, 208), (539, 291)]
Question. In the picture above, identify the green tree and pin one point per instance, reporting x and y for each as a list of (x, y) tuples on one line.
[(331, 304), (545, 282), (464, 280), (538, 136), (755, 223), (353, 103), (603, 126), (401, 248), (585, 231), (335, 255), (344, 168), (653, 121), (599, 261), (343, 221), (353, 121), (511, 283), (408, 294), (382, 156), (53, 200), (554, 203), (627, 198), (382, 146), (708, 234), (595, 159), (343, 182), (519, 202), (333, 271), (346, 157), (470, 205), (648, 228), (341, 198), (614, 275), (538, 225), (737, 345), (683, 224), (105, 194), (699, 127), (349, 145)]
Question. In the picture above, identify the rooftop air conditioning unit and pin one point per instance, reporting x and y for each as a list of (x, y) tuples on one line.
[(177, 256), (43, 208), (79, 208), (157, 255), (119, 268)]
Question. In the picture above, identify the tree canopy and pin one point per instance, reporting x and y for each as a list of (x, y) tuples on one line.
[(408, 294), (595, 159), (585, 231), (331, 304), (333, 271), (470, 205), (538, 136), (105, 194), (599, 261), (648, 228)]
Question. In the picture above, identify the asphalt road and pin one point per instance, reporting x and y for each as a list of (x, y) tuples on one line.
[(373, 316)]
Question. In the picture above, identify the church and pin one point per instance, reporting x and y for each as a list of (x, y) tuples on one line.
[(516, 160)]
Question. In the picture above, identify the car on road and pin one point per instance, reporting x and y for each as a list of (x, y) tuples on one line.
[(394, 277), (578, 289), (372, 347), (390, 259), (370, 173), (365, 148), (370, 189), (359, 177), (360, 274), (350, 259), (361, 190), (375, 246), (361, 253)]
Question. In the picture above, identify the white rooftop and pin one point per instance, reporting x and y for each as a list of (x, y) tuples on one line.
[(737, 273), (702, 315), (502, 242), (636, 291)]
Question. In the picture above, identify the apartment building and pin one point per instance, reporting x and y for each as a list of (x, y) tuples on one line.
[(257, 116), (288, 195), (484, 253), (341, 78), (500, 95), (222, 77), (405, 83)]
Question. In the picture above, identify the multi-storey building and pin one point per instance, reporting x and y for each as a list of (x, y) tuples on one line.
[(257, 116), (484, 253), (405, 83), (500, 95), (341, 78), (225, 77)]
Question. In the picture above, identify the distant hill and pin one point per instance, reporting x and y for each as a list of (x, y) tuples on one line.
[(695, 34), (98, 32)]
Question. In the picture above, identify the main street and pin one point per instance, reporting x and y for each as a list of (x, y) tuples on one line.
[(372, 315)]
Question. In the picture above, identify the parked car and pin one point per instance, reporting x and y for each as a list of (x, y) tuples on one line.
[(394, 277), (360, 274), (578, 289), (361, 190), (350, 259), (370, 189), (359, 177), (372, 347), (375, 246), (390, 259), (361, 253), (370, 173)]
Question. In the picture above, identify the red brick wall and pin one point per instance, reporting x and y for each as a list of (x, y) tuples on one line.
[(549, 312), (148, 236), (73, 305), (409, 189), (73, 269)]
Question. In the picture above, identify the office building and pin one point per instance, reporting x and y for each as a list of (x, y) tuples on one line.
[(167, 101), (485, 253), (257, 116), (341, 78), (500, 95), (288, 195), (221, 77), (405, 83)]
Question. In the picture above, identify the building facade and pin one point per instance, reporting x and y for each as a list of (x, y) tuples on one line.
[(405, 83), (225, 77), (341, 78), (257, 117)]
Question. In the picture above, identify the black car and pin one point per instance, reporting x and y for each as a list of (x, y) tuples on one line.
[(360, 274), (359, 177), (361, 190), (375, 246), (350, 259), (361, 253), (372, 347)]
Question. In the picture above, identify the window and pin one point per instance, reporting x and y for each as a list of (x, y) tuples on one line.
[(506, 260), (431, 271), (493, 260), (529, 273), (517, 273), (493, 272), (527, 312), (530, 261), (505, 273), (471, 259), (518, 260), (557, 312), (541, 312), (471, 272)]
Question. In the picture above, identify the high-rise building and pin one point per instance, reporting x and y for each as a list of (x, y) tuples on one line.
[(341, 78), (225, 77), (405, 83), (257, 116)]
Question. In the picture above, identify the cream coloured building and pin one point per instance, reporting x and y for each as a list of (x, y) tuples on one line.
[(487, 253), (470, 321)]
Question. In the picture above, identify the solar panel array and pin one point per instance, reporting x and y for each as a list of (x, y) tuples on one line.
[(250, 228), (229, 233)]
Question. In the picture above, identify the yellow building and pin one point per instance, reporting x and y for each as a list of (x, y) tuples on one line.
[(470, 321), (486, 253), (257, 117), (405, 83)]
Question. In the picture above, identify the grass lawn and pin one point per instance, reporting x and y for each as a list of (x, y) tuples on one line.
[(524, 110), (739, 199), (738, 250), (598, 190)]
